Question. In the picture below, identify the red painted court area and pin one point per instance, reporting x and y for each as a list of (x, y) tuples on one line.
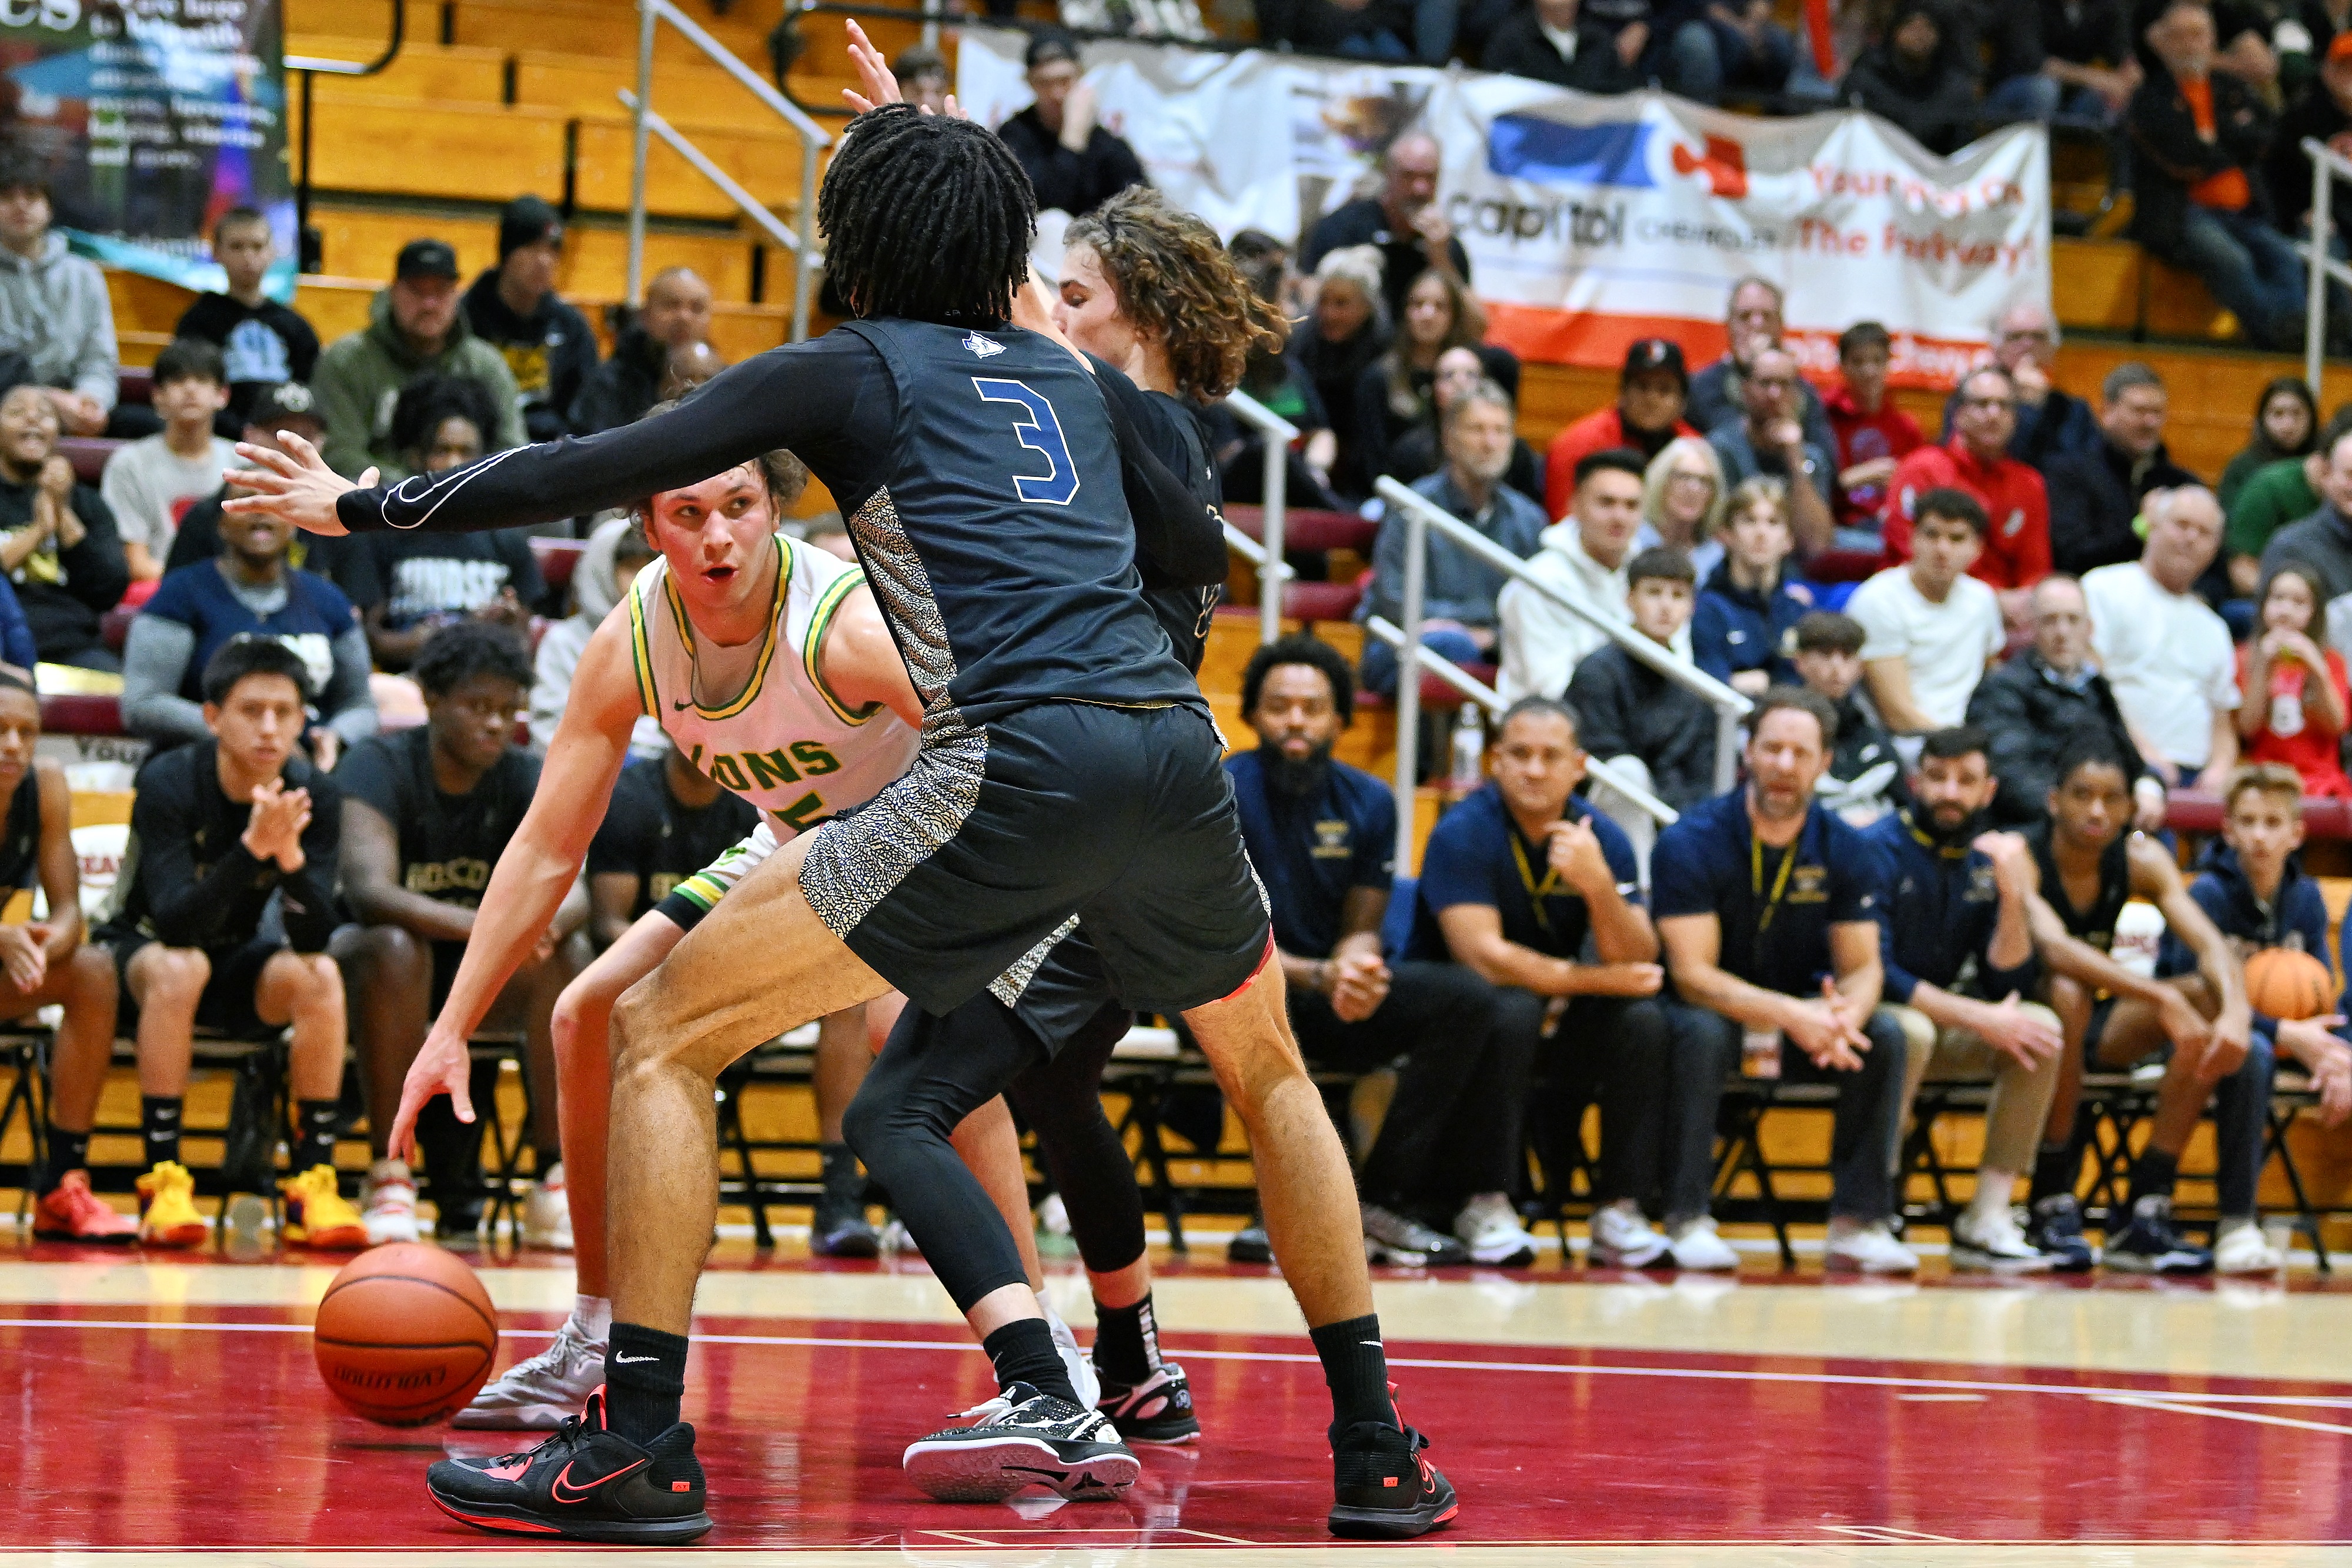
[(212, 1430)]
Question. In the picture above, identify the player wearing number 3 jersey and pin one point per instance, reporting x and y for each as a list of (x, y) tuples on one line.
[(1068, 770)]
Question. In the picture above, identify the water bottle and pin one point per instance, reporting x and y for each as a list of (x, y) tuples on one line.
[(1469, 751)]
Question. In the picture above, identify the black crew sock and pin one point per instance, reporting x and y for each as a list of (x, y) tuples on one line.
[(315, 1122), (159, 1125), (68, 1152), (1126, 1342), (1023, 1352), (841, 1179), (645, 1379), (2153, 1173), (2055, 1168), (1356, 1365)]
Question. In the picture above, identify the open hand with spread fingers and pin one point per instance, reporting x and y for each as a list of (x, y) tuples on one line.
[(295, 485)]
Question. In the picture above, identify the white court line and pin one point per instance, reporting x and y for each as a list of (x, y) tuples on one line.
[(2184, 1403)]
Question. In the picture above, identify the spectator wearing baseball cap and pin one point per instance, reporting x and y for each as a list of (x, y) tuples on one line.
[(513, 306), (286, 406), (414, 329), (1073, 161), (1651, 396)]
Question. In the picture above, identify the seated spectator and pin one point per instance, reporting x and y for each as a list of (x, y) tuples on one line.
[(1975, 461), (223, 834), (426, 811), (1419, 452), (1748, 606), (1767, 904), (2323, 540), (1398, 30), (2194, 1012), (1729, 44), (676, 314), (2293, 703), (1398, 390), (1864, 779), (2087, 51), (2286, 426), (1276, 379), (1957, 948), (924, 78), (1075, 164), (2197, 136), (1347, 331), (1323, 837), (1546, 41), (263, 343), (609, 563), (1933, 629), (1658, 733), (1751, 324), (1916, 78), (2321, 112), (1403, 222), (150, 484), (1459, 590), (2041, 699), (289, 408), (2095, 494), (2000, 42), (1481, 904), (687, 367), (2278, 494), (57, 544), (1583, 559), (665, 821), (49, 962), (1769, 439), (410, 585), (548, 347), (415, 329), (1647, 416), (59, 331), (1873, 433), (1683, 499), (2051, 422), (248, 590), (2168, 657)]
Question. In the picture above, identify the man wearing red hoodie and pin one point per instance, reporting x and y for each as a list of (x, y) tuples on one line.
[(1976, 460)]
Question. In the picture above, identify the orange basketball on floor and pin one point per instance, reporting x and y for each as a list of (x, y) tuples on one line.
[(405, 1335), (2289, 985)]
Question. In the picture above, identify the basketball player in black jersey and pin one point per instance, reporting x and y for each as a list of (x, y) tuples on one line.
[(2088, 863), (1068, 772)]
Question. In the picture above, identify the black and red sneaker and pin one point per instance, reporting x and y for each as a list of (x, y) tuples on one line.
[(587, 1482), (1384, 1490)]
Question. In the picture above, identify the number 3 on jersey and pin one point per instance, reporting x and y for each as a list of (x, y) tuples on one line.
[(1036, 428)]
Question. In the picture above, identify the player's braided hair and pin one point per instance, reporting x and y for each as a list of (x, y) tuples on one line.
[(926, 218), (1177, 283)]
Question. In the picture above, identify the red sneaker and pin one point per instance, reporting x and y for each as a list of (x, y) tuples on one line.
[(74, 1213)]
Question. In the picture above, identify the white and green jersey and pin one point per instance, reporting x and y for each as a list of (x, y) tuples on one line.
[(785, 742)]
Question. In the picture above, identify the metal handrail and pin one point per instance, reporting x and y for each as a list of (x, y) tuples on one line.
[(1279, 433), (2326, 164), (1421, 516), (715, 174), (312, 68), (814, 139), (1491, 700)]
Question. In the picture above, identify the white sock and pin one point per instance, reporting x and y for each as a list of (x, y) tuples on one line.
[(1991, 1199), (593, 1314)]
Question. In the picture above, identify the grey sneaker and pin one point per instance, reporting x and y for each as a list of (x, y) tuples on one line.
[(1391, 1237), (538, 1394), (1249, 1244)]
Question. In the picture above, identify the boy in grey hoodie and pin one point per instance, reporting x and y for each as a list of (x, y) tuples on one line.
[(54, 309)]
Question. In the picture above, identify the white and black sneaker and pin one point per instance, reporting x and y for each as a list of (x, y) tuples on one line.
[(1157, 1410), (1024, 1439), (1394, 1237)]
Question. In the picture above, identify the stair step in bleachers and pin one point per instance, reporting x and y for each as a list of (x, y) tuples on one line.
[(582, 26), (361, 242), (764, 161), (423, 71), (408, 148)]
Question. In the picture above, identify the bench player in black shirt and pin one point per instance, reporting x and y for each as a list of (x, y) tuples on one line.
[(1068, 771), (426, 811), (218, 832), (667, 821)]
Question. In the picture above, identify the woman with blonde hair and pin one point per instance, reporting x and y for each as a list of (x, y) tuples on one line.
[(1682, 501), (1743, 631)]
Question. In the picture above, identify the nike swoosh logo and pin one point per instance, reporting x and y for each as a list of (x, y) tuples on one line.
[(676, 706), (564, 1492), (634, 1360), (508, 1472)]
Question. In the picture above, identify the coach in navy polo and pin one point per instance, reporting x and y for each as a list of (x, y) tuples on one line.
[(1323, 838), (1517, 882), (1767, 904)]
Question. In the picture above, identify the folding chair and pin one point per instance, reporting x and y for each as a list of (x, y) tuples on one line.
[(788, 1059)]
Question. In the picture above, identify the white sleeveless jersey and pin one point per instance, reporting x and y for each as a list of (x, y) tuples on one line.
[(787, 745)]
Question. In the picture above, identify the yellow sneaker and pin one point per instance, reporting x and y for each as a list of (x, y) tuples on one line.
[(167, 1208), (318, 1215)]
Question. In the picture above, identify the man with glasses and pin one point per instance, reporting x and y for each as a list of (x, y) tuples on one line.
[(1751, 324), (1976, 461), (426, 812), (1772, 439), (2051, 422)]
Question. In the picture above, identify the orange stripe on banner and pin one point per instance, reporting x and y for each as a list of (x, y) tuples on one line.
[(1541, 334)]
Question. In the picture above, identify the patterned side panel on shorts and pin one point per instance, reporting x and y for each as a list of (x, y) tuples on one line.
[(855, 862), (1007, 987)]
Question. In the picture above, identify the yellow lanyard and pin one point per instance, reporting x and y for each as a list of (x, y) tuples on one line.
[(1537, 891), (1779, 883)]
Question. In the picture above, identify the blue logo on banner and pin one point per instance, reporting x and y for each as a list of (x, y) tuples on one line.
[(1522, 147)]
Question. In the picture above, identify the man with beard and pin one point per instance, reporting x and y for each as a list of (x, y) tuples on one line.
[(1768, 905), (1322, 836), (1957, 937)]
